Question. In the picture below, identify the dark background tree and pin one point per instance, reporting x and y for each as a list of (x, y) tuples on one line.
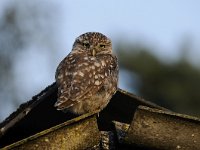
[(26, 46), (171, 84)]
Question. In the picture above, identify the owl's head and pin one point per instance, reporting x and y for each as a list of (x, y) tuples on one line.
[(94, 43)]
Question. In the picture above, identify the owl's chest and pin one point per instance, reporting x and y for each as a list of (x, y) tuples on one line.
[(98, 100)]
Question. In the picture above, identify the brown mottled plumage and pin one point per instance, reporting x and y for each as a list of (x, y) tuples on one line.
[(87, 78)]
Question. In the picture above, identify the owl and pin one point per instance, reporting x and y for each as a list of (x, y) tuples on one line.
[(87, 78)]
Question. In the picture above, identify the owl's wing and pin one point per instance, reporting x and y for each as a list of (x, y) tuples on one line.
[(79, 79)]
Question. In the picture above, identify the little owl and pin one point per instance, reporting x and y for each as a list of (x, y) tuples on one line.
[(87, 78)]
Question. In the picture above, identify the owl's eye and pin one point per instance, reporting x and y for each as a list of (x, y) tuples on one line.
[(87, 45), (102, 45)]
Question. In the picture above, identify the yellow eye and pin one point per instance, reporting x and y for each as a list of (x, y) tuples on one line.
[(87, 45), (102, 45)]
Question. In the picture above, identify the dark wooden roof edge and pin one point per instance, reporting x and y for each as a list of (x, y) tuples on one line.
[(142, 100), (136, 115), (152, 128), (52, 129), (25, 108), (172, 114)]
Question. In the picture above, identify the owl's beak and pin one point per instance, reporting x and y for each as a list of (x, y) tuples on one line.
[(93, 52)]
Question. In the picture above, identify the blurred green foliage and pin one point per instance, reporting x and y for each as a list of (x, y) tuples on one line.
[(28, 36), (174, 84)]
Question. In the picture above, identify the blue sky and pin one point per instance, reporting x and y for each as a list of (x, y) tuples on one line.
[(162, 24)]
